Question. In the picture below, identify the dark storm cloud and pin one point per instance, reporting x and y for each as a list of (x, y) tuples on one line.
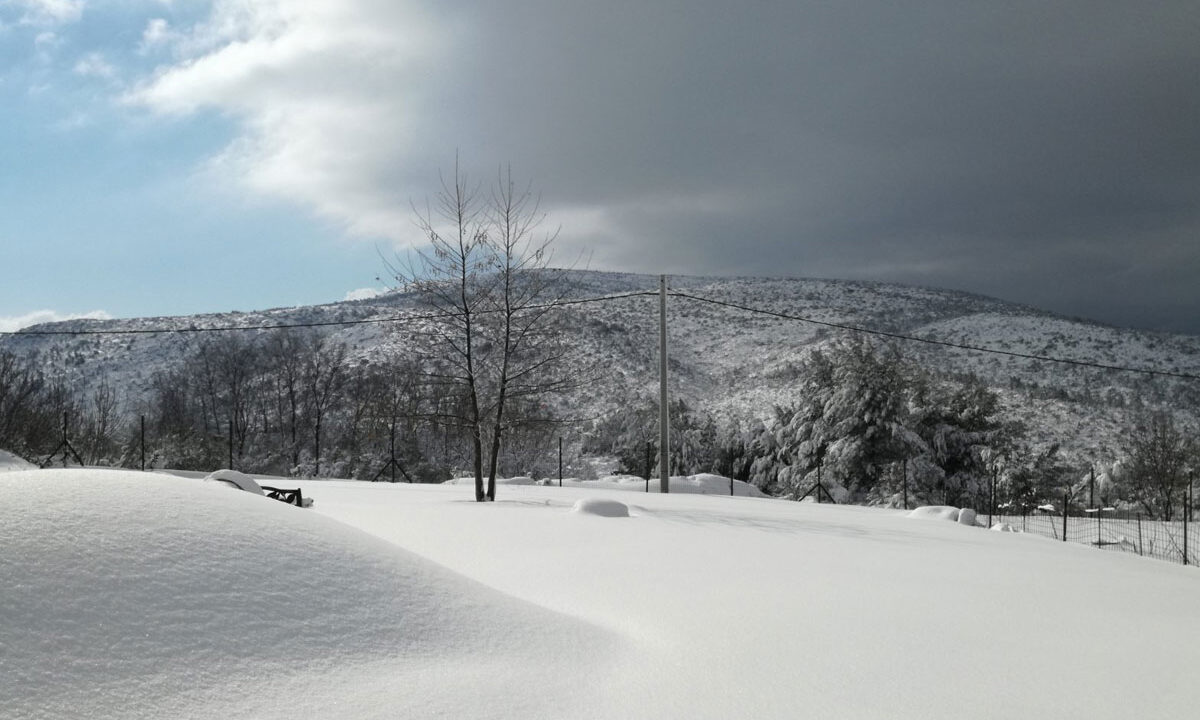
[(1047, 153)]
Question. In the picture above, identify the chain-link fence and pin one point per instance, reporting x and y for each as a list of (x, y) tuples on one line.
[(1173, 541)]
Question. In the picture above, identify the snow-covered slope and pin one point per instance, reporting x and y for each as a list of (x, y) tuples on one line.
[(728, 361), (136, 595)]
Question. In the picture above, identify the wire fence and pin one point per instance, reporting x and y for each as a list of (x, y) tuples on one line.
[(1173, 541)]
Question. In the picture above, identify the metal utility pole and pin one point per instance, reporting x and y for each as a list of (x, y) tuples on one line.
[(664, 460)]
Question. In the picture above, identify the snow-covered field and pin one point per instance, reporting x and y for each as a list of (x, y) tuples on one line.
[(138, 595)]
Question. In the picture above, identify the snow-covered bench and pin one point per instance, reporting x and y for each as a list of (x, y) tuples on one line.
[(242, 481)]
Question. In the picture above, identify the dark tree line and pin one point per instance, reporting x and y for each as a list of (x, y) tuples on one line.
[(284, 402), (34, 409), (873, 426), (296, 403)]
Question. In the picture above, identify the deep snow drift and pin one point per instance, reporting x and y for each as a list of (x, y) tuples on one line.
[(132, 595), (146, 596)]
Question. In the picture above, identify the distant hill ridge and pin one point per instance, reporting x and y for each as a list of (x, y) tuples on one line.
[(728, 361)]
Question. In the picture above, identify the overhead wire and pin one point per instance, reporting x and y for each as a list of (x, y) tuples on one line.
[(931, 341)]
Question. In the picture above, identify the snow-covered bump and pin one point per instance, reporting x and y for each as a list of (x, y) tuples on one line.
[(235, 479), (935, 512), (601, 506), (10, 462), (138, 595)]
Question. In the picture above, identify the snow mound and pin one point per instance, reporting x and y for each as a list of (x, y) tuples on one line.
[(138, 595), (702, 484), (601, 507), (965, 516), (499, 481), (11, 463), (709, 484), (935, 512), (233, 478), (1003, 527)]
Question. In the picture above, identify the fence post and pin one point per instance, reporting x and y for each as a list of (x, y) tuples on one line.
[(143, 418), (905, 471), (991, 496), (819, 485), (647, 466), (1187, 511), (1139, 519), (1066, 504), (560, 461)]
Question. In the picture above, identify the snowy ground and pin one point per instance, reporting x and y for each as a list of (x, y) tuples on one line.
[(149, 596)]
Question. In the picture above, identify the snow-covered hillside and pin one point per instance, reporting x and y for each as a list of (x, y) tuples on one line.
[(724, 360), (132, 595)]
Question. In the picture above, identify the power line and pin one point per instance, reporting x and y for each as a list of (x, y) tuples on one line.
[(943, 343), (326, 323)]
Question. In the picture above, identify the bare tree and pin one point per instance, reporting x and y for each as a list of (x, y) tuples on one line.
[(100, 421), (485, 273), (285, 356), (27, 422), (1160, 455), (449, 276), (526, 291), (324, 374), (235, 369)]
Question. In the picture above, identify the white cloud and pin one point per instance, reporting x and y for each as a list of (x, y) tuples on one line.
[(364, 293), (325, 92), (94, 65), (50, 12), (46, 44), (158, 33), (12, 324)]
